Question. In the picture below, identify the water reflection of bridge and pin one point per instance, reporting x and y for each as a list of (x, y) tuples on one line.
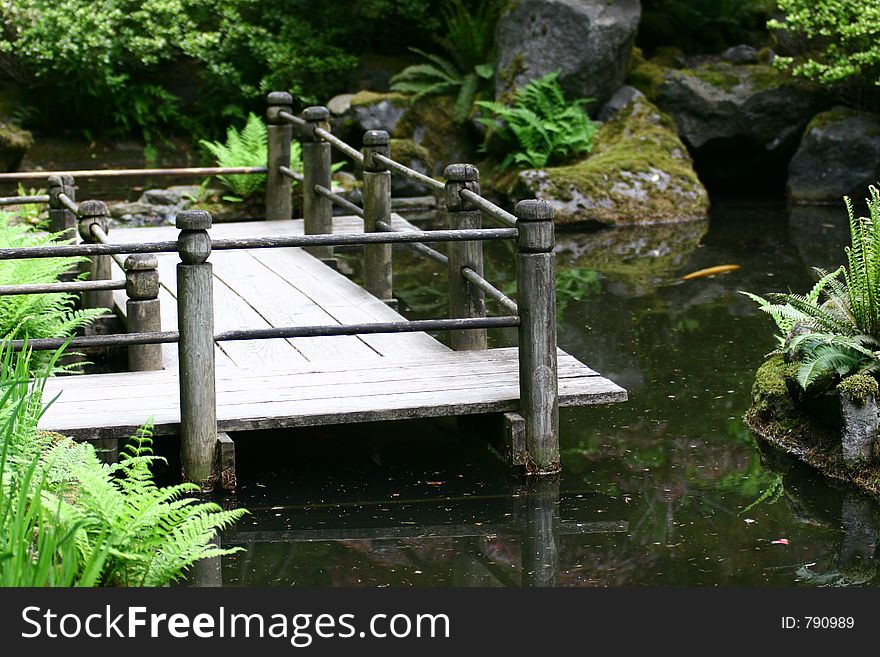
[(527, 537)]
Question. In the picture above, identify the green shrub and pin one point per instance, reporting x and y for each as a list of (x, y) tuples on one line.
[(469, 42), (37, 315), (542, 126), (840, 39)]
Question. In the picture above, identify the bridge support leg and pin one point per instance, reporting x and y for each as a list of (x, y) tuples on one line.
[(142, 310), (279, 133), (94, 213), (465, 298), (226, 462), (538, 384), (317, 209), (195, 319), (378, 279)]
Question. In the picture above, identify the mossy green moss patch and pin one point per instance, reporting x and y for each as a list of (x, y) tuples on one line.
[(858, 388), (362, 98), (638, 172)]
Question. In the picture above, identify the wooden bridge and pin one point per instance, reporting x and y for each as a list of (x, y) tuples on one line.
[(242, 326)]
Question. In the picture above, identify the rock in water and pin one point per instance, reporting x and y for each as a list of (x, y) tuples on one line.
[(588, 40), (639, 172), (839, 155)]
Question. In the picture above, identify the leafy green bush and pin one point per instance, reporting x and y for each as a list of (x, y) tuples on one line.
[(67, 519), (841, 39), (36, 315), (469, 42), (834, 330), (542, 125)]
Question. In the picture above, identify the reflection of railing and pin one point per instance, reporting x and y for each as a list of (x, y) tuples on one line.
[(531, 226)]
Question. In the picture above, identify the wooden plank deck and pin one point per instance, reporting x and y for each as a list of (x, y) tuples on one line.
[(265, 384)]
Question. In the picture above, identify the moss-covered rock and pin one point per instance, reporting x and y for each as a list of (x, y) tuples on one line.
[(838, 155), (14, 144), (416, 157), (430, 124), (858, 388), (639, 172)]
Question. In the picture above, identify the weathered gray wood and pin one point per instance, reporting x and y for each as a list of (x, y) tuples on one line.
[(60, 218), (195, 310), (143, 311), (94, 213), (465, 298), (514, 438), (317, 209), (279, 133), (377, 208), (444, 384), (536, 286), (540, 548), (226, 463)]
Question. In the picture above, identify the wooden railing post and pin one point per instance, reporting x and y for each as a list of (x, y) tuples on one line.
[(465, 298), (94, 213), (536, 297), (279, 133), (317, 209), (60, 218), (195, 321), (142, 310), (378, 278)]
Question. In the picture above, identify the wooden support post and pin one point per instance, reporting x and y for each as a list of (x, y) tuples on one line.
[(226, 462), (94, 213), (536, 291), (317, 210), (60, 218), (465, 299), (142, 310), (195, 320), (378, 279), (540, 549), (279, 133)]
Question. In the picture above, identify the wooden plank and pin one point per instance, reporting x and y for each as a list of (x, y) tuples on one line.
[(344, 300), (279, 302), (305, 400)]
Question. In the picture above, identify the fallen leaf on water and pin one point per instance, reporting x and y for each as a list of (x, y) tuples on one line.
[(710, 271), (748, 521), (780, 541), (435, 483)]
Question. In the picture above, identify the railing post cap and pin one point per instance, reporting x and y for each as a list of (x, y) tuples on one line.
[(533, 210), (141, 262), (93, 209), (193, 220), (376, 138), (317, 113), (55, 181), (462, 173), (279, 98)]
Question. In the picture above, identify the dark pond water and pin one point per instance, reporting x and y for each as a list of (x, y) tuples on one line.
[(668, 489)]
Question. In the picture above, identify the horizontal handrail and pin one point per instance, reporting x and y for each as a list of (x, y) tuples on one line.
[(409, 173), (102, 237), (120, 173), (284, 332), (424, 249), (20, 200), (290, 118), (339, 200), (53, 288), (68, 203), (340, 145), (488, 207), (345, 239), (290, 173), (506, 302)]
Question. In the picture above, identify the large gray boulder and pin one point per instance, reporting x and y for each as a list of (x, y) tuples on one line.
[(839, 155), (588, 40)]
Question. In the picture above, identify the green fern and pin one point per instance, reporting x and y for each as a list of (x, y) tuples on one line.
[(37, 315), (245, 148), (542, 125), (467, 74), (834, 330)]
